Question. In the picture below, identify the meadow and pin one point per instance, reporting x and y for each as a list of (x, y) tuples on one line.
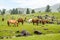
[(53, 32)]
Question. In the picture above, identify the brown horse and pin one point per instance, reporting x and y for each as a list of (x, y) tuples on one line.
[(12, 22), (35, 21), (2, 19), (20, 20), (43, 21)]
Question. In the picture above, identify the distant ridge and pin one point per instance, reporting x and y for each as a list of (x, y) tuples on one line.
[(53, 8)]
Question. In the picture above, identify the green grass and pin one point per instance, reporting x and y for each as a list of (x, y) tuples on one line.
[(6, 30), (38, 37)]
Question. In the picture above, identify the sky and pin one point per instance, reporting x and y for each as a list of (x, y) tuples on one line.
[(9, 4)]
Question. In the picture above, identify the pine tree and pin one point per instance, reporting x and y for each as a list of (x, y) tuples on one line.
[(33, 11), (48, 9), (3, 11), (14, 11), (27, 12)]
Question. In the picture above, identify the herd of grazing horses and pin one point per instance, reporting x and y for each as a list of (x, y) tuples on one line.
[(37, 21)]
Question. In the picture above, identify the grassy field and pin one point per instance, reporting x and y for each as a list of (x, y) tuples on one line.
[(50, 34), (38, 37)]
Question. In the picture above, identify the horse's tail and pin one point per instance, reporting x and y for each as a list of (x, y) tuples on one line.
[(8, 23)]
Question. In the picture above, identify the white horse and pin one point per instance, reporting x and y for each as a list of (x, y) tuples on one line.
[(29, 20)]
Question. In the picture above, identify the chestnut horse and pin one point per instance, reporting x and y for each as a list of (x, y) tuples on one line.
[(35, 21), (42, 21), (20, 20), (12, 22), (2, 19)]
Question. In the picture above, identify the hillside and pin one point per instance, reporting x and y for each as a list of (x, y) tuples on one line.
[(53, 8)]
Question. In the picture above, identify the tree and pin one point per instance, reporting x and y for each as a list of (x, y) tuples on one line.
[(48, 9), (19, 12), (27, 12), (33, 11), (3, 11), (0, 11), (58, 9), (14, 11)]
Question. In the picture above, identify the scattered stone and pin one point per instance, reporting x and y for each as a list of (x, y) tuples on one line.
[(1, 37), (25, 33), (37, 32), (45, 28), (17, 31), (18, 35)]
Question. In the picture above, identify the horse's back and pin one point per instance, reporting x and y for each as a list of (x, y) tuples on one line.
[(20, 19), (12, 21)]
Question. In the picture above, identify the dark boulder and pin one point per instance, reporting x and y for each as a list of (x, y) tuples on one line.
[(1, 37), (37, 32), (25, 33), (18, 35), (17, 31)]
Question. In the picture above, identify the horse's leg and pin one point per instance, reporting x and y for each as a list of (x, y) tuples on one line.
[(33, 23), (47, 22), (43, 23), (37, 23), (17, 24), (14, 25), (8, 23), (22, 23)]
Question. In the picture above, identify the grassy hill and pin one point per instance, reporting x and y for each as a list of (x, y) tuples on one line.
[(50, 34)]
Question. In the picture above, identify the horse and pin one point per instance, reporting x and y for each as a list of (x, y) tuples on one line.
[(39, 17), (20, 20), (35, 21), (44, 21), (15, 22), (2, 19), (29, 20)]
